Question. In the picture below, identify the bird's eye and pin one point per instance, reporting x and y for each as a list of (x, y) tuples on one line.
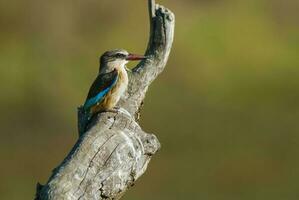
[(119, 55)]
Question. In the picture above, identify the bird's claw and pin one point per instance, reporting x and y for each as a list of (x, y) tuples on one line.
[(114, 110)]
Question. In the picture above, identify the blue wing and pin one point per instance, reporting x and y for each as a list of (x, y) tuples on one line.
[(100, 87)]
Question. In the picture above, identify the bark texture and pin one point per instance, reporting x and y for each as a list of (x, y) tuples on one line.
[(114, 151)]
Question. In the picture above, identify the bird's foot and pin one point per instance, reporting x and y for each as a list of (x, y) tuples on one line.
[(113, 110), (116, 108)]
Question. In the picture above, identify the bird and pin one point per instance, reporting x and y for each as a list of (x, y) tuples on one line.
[(110, 83)]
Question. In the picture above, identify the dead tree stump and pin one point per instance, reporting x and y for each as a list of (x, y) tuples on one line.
[(114, 151)]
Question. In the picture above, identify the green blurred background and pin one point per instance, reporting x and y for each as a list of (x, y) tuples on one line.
[(225, 109)]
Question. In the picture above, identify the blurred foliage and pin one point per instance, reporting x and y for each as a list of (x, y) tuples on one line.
[(225, 110)]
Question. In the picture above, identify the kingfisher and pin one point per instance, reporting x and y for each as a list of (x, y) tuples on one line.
[(111, 82)]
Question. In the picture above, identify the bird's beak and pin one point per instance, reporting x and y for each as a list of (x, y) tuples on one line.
[(131, 57)]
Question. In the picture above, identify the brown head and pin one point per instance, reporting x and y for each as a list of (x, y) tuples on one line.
[(117, 58)]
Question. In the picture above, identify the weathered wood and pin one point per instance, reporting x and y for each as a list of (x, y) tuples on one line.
[(114, 151)]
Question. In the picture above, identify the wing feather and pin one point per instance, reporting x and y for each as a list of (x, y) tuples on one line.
[(100, 87)]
